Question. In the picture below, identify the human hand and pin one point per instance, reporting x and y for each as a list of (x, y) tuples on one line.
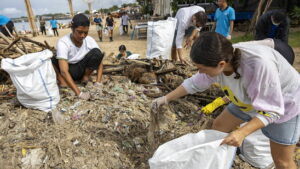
[(159, 102), (183, 61), (235, 138), (84, 95), (228, 37), (188, 42)]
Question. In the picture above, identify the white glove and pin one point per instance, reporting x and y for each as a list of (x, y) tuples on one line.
[(98, 85), (159, 102), (84, 95), (228, 37)]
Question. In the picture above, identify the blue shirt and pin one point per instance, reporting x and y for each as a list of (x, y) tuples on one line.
[(223, 19), (98, 20), (53, 23), (273, 31), (3, 20)]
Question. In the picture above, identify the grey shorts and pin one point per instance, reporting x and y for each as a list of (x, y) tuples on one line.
[(99, 27), (286, 133)]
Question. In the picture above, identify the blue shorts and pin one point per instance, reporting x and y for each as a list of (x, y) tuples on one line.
[(286, 133)]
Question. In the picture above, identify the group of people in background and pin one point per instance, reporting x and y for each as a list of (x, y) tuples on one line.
[(110, 25)]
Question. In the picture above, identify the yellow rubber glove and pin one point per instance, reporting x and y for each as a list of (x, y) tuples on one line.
[(211, 107)]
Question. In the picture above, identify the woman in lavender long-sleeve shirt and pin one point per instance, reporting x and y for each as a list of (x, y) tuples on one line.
[(263, 87)]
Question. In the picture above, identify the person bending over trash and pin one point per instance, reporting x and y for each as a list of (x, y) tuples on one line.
[(273, 24), (78, 55), (123, 53), (283, 48), (263, 87), (186, 17)]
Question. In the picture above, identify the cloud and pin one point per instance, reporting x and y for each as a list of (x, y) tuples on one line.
[(40, 11), (10, 11)]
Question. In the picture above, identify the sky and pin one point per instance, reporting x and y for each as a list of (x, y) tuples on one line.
[(16, 8)]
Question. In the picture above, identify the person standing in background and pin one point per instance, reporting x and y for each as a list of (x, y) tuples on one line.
[(53, 23), (42, 25), (110, 23), (224, 17), (124, 21), (99, 26)]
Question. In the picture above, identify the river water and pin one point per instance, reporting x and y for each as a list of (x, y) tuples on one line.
[(25, 26)]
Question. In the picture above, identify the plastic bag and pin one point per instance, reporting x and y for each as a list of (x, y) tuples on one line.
[(133, 56), (105, 31), (35, 79), (49, 32), (194, 151), (121, 30), (160, 37), (256, 147)]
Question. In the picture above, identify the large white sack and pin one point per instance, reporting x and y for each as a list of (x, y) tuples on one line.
[(256, 147), (200, 150), (160, 37), (35, 79)]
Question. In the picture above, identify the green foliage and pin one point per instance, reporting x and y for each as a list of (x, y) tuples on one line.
[(295, 15), (294, 39), (243, 38)]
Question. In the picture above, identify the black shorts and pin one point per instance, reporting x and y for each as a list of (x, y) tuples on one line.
[(285, 50), (91, 60)]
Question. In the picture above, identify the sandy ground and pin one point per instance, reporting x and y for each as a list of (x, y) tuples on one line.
[(138, 46)]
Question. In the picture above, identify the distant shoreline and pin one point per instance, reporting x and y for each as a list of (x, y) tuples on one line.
[(46, 18)]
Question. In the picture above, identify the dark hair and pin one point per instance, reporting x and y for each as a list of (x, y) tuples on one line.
[(278, 17), (80, 20), (122, 47), (211, 48), (201, 18)]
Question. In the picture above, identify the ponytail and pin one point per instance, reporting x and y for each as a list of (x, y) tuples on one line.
[(235, 62)]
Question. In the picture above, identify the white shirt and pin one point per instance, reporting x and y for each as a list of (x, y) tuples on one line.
[(269, 87), (125, 19), (184, 21), (67, 50)]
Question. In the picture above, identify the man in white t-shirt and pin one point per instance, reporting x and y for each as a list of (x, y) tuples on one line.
[(125, 19), (186, 17), (78, 55)]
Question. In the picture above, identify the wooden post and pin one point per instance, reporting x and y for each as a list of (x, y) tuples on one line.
[(71, 8), (31, 18), (91, 12)]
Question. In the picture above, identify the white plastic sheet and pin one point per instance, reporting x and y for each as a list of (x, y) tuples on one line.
[(160, 37), (49, 32), (35, 79), (201, 150), (121, 29)]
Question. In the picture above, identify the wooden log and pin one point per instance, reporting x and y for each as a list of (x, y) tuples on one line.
[(9, 42), (35, 42), (137, 62), (160, 72), (114, 69), (9, 32)]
